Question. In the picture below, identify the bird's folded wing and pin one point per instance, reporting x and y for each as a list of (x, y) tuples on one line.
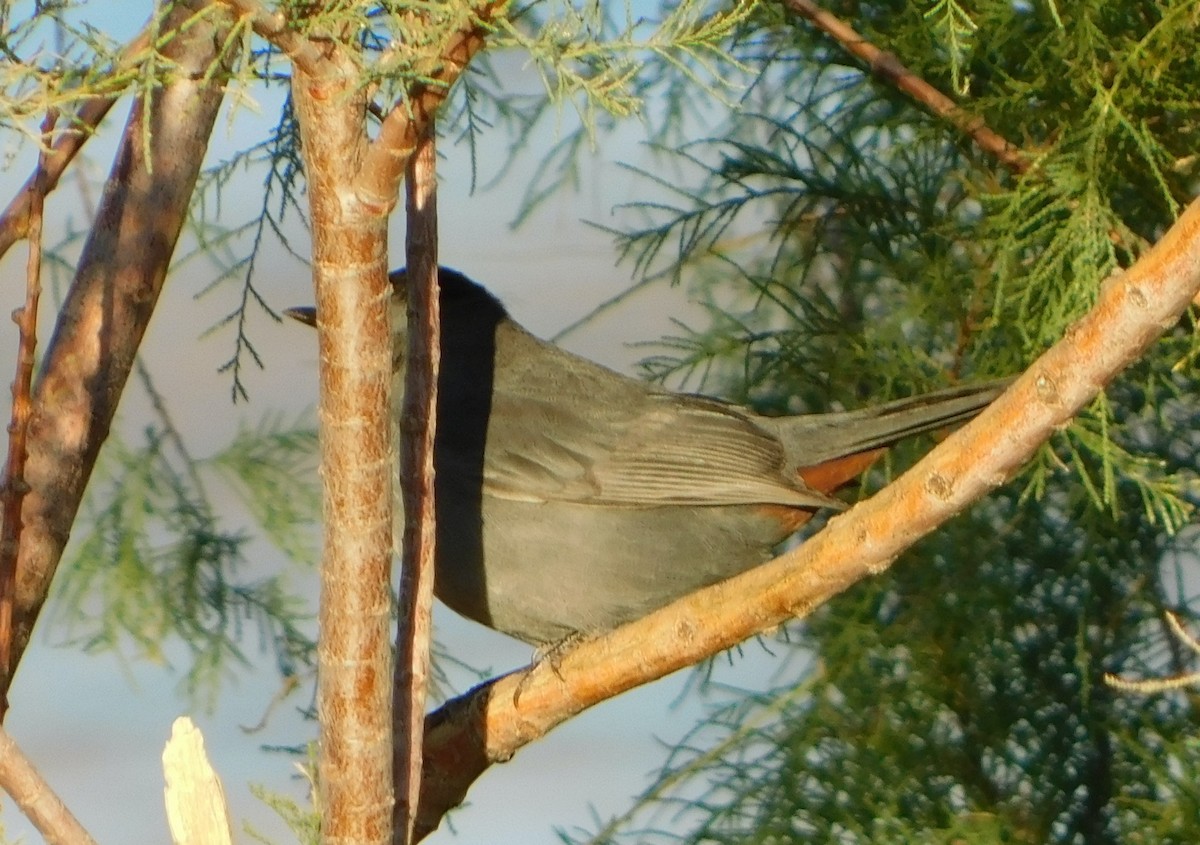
[(666, 450)]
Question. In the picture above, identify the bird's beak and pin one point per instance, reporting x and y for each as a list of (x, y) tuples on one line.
[(306, 315)]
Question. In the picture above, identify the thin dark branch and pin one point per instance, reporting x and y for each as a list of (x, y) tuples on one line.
[(14, 487), (419, 422), (170, 430)]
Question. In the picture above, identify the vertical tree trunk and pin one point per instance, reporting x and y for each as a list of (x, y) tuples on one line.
[(354, 337)]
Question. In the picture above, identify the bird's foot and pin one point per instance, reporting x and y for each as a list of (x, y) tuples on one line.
[(550, 655)]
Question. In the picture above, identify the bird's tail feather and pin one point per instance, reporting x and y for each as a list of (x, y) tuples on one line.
[(823, 437)]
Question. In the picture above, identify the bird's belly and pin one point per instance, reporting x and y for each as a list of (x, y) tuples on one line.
[(541, 572)]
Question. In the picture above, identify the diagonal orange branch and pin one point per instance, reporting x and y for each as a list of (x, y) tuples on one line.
[(489, 724), (886, 66)]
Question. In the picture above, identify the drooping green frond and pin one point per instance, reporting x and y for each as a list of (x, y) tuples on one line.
[(953, 25), (158, 568), (234, 248), (261, 464)]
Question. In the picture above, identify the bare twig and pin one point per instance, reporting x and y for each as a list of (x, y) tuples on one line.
[(14, 220), (120, 274), (37, 800), (889, 68), (490, 724), (418, 423), (1149, 686), (14, 487)]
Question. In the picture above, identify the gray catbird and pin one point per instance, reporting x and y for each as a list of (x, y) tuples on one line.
[(572, 499)]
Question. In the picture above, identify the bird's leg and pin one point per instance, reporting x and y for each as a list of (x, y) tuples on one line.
[(549, 654)]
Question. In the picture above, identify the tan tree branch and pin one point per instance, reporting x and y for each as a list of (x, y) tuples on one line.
[(888, 67), (274, 27), (120, 274), (492, 722), (378, 179), (195, 800), (29, 791)]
